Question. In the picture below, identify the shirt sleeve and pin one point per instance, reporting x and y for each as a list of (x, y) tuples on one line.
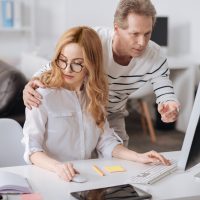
[(43, 69), (107, 141), (162, 85), (33, 131)]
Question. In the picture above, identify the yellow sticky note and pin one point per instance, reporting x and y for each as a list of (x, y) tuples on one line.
[(114, 168)]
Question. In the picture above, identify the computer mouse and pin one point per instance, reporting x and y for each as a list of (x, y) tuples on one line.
[(79, 179)]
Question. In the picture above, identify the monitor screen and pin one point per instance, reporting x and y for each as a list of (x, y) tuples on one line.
[(190, 152), (160, 31), (194, 155)]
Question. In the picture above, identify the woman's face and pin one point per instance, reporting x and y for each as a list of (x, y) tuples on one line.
[(71, 63)]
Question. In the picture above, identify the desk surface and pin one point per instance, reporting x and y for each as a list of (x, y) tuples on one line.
[(175, 186)]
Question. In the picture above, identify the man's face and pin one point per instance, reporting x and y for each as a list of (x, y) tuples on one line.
[(134, 39)]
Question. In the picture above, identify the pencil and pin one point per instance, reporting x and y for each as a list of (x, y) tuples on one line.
[(97, 170)]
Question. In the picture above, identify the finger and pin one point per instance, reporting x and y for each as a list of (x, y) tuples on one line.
[(76, 171), (68, 172), (62, 172), (28, 106), (30, 89), (64, 176), (165, 160), (155, 155), (170, 117), (166, 108), (33, 92), (38, 84), (32, 103), (33, 100), (160, 107), (71, 169)]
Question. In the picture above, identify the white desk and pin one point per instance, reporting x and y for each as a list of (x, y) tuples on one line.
[(175, 186)]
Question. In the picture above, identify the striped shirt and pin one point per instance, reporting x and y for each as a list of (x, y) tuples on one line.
[(151, 67)]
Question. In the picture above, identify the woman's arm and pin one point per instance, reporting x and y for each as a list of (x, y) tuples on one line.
[(34, 132), (64, 170), (41, 159), (122, 152)]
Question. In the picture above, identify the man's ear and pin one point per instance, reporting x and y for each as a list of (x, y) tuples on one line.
[(116, 28)]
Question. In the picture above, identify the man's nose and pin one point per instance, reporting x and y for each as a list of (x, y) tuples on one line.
[(141, 41)]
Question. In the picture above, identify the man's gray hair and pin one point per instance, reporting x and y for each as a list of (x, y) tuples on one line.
[(140, 7)]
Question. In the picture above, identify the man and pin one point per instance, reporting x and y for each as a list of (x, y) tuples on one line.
[(130, 60)]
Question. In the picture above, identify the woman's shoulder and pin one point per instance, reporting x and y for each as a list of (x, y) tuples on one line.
[(46, 91), (55, 99), (52, 92), (56, 93)]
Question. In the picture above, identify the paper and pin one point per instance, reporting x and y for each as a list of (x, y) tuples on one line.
[(114, 168), (13, 183)]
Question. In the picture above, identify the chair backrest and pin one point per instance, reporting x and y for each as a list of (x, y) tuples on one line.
[(11, 148)]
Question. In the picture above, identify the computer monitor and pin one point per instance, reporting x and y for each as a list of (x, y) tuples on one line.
[(160, 31), (190, 152)]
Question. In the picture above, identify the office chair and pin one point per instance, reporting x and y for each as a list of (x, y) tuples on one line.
[(146, 120), (11, 149)]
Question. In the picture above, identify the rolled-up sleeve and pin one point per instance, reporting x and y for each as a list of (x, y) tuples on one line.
[(33, 131), (107, 141)]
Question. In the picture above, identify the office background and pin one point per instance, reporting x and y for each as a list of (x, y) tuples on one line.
[(51, 18), (32, 43)]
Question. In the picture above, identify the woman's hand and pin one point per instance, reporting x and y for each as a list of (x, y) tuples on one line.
[(65, 171), (30, 96), (152, 157)]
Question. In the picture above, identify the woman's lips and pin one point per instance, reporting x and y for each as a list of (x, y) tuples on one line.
[(68, 76)]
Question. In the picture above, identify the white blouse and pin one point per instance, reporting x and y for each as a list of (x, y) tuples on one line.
[(63, 128)]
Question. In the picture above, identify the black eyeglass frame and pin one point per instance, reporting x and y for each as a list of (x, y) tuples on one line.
[(70, 65)]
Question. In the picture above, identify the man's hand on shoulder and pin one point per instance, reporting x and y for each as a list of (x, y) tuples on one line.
[(169, 111), (31, 97)]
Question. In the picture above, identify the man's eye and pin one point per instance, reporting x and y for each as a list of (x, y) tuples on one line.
[(134, 34), (147, 34)]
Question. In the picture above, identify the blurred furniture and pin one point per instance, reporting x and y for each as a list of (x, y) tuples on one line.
[(146, 120), (11, 88), (146, 117), (11, 149)]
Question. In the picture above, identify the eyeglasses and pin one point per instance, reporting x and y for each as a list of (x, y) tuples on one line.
[(75, 67)]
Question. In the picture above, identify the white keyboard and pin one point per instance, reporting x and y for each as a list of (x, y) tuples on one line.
[(153, 173)]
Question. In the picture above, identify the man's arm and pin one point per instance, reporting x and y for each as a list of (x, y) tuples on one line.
[(32, 98), (168, 104)]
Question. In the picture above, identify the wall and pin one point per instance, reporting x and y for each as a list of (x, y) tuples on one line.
[(70, 13), (54, 17), (184, 26)]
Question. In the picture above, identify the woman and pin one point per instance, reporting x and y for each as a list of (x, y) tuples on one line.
[(71, 122)]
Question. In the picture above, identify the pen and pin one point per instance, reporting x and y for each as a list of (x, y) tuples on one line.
[(97, 170)]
